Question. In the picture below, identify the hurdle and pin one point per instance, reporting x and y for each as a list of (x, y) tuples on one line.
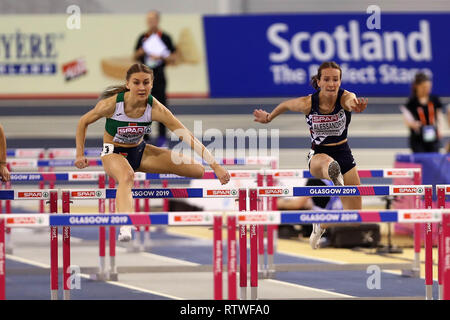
[(442, 191), (377, 190), (272, 175), (248, 218), (257, 174)]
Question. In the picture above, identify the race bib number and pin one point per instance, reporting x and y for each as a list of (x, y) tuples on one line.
[(108, 148)]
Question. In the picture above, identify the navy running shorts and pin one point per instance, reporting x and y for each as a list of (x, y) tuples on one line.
[(133, 155), (341, 153)]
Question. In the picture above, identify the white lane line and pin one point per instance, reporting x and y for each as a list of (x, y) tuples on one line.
[(128, 286), (310, 288), (85, 276), (168, 259), (27, 261)]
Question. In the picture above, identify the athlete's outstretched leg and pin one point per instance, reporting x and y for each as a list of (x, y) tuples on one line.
[(118, 167)]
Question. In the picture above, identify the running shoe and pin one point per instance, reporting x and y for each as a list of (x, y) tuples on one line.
[(334, 171), (316, 234), (125, 234)]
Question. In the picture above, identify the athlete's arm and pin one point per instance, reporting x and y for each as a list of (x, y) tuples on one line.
[(104, 108), (161, 114), (302, 104), (4, 172), (350, 102)]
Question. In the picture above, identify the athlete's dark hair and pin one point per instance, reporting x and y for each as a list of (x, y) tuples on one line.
[(418, 79), (324, 65), (135, 68)]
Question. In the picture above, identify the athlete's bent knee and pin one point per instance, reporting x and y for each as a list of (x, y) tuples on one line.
[(126, 177)]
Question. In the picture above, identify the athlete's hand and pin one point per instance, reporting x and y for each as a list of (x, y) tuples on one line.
[(4, 173), (261, 116), (221, 174), (359, 105), (81, 162)]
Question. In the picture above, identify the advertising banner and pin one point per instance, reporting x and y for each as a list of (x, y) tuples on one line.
[(48, 55), (276, 55)]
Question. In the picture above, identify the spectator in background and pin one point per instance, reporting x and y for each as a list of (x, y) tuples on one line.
[(4, 172), (422, 115), (155, 49)]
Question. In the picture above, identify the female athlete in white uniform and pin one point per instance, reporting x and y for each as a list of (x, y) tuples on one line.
[(129, 110)]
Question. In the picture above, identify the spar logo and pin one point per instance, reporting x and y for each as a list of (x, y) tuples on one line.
[(256, 218), (32, 194), (227, 192), (397, 173), (325, 118), (83, 176), (286, 174), (424, 215), (87, 194), (132, 129), (241, 175), (25, 220), (22, 163), (191, 218), (408, 190), (273, 191)]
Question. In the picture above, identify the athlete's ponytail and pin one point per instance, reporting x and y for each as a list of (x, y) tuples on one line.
[(328, 64), (135, 68)]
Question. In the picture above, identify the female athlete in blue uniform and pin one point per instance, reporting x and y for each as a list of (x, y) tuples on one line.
[(129, 111), (328, 115)]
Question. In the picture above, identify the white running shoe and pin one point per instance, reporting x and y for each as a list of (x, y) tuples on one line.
[(334, 171), (316, 234), (124, 234)]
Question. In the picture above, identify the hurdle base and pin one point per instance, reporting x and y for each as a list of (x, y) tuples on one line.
[(243, 295), (53, 294), (134, 249), (270, 274), (254, 293), (9, 250), (113, 276), (99, 277), (429, 292), (262, 274), (66, 295), (411, 273)]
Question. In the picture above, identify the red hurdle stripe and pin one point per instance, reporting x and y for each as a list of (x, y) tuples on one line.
[(102, 230), (54, 249), (253, 246), (217, 257), (66, 247), (231, 256), (243, 246), (366, 191), (441, 253)]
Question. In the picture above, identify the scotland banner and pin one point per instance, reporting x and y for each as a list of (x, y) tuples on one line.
[(276, 55)]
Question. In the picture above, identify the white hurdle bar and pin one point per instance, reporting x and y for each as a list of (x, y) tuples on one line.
[(205, 218)]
